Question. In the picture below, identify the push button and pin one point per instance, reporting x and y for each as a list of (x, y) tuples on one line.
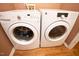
[(28, 14), (18, 17)]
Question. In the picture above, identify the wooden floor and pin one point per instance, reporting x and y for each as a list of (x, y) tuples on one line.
[(54, 51)]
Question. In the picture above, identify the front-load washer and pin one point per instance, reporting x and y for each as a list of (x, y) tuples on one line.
[(56, 26), (22, 27)]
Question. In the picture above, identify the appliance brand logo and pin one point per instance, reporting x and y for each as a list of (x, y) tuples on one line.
[(4, 19)]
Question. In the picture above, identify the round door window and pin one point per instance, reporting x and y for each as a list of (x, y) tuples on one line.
[(23, 33), (57, 31)]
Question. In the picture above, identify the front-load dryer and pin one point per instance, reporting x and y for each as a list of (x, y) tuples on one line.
[(56, 26), (22, 27)]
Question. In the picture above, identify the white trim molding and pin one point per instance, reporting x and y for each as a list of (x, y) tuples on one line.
[(12, 52), (73, 42)]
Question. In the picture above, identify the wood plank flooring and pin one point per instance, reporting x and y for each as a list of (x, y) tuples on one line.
[(54, 51)]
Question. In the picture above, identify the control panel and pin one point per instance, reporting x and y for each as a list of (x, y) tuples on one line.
[(60, 14)]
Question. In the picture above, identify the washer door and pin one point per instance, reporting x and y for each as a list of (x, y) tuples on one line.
[(56, 31), (23, 33)]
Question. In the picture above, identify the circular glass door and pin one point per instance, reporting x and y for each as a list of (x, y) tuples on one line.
[(23, 33), (56, 31)]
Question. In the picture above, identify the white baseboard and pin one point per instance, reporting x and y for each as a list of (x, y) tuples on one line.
[(12, 52), (66, 45)]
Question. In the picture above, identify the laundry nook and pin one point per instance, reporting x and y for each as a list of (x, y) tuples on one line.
[(39, 29)]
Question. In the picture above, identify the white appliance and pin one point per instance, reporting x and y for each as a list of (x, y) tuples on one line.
[(22, 27), (56, 26)]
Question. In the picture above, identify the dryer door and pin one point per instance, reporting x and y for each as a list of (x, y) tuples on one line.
[(56, 31), (23, 33)]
